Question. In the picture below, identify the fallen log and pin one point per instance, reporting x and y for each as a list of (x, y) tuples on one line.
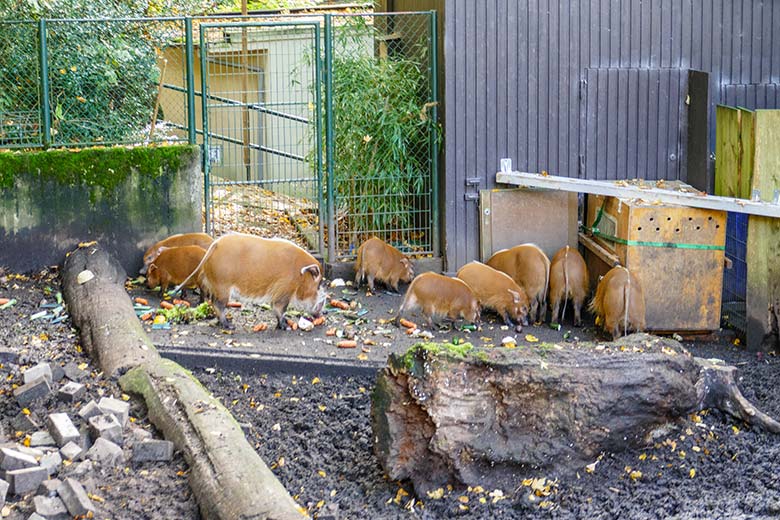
[(93, 284), (492, 417)]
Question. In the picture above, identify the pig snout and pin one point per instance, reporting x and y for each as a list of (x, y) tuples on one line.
[(319, 302)]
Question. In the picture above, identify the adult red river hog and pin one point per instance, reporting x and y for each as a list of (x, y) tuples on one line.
[(568, 280), (183, 239), (530, 268), (497, 291), (619, 300), (262, 270), (439, 295), (173, 265), (377, 260)]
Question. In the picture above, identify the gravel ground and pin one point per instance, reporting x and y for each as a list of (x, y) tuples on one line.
[(316, 435), (152, 490)]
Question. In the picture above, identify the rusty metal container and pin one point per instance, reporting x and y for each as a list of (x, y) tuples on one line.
[(677, 253)]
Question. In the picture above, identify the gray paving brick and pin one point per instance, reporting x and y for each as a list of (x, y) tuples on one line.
[(153, 450), (106, 426), (25, 422), (89, 410), (23, 481), (75, 497), (39, 370), (42, 438), (71, 392), (62, 429), (106, 453), (52, 462), (3, 492), (51, 508), (71, 451), (116, 407), (11, 459), (57, 373), (29, 392), (48, 488)]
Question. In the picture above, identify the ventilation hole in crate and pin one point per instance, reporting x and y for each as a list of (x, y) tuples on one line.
[(652, 219), (677, 230), (668, 219), (690, 218), (717, 226), (639, 228), (709, 218), (698, 228), (657, 229)]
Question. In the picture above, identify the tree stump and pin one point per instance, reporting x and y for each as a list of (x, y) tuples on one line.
[(465, 416)]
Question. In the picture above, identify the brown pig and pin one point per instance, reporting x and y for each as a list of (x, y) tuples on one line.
[(496, 290), (173, 265), (183, 239), (568, 280), (377, 260), (527, 265), (262, 270), (440, 295), (619, 301)]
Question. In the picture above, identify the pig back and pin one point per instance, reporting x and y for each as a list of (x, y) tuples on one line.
[(576, 272), (179, 262), (258, 267), (526, 264), (382, 260), (490, 286)]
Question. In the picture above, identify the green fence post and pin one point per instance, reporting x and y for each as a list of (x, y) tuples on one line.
[(205, 118), (191, 122), (318, 130), (43, 56), (434, 137), (329, 137)]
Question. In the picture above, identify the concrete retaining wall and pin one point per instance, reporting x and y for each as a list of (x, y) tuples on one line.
[(126, 198)]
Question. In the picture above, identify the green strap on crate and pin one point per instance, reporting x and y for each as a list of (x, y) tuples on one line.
[(674, 245)]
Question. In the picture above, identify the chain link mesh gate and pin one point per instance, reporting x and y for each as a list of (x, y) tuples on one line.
[(261, 127), (382, 131)]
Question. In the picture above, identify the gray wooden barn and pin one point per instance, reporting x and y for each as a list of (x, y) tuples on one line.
[(596, 89)]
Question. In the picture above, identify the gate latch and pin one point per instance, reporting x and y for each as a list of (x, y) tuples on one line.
[(472, 182)]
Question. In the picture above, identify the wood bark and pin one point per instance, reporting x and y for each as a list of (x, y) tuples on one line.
[(102, 311), (496, 416)]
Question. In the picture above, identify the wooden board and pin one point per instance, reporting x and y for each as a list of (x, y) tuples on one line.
[(763, 244)]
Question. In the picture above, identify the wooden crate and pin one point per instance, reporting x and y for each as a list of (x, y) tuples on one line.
[(677, 253)]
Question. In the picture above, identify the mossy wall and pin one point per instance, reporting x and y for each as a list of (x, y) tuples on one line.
[(126, 198)]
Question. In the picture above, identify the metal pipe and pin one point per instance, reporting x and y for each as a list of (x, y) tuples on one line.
[(205, 111), (190, 61), (43, 58), (318, 131), (434, 135), (329, 145)]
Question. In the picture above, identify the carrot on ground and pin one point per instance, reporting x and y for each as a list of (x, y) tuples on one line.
[(260, 327), (142, 301), (347, 343), (166, 305), (339, 304), (407, 324), (318, 321), (235, 305)]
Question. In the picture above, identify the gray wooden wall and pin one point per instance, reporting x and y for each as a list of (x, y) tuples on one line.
[(590, 88)]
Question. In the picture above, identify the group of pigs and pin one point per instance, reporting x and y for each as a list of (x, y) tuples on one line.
[(515, 283)]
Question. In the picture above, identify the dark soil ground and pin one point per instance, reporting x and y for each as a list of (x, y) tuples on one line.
[(313, 429), (128, 491)]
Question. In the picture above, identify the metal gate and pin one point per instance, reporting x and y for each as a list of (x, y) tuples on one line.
[(262, 135)]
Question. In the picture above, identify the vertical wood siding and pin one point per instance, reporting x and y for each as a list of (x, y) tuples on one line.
[(519, 84)]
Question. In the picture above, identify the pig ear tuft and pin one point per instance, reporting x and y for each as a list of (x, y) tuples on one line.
[(314, 269)]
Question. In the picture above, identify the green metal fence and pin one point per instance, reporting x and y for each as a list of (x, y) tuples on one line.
[(382, 131), (319, 126)]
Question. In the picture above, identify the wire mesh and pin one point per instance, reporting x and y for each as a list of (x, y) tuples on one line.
[(20, 103), (384, 131), (735, 279), (264, 165), (107, 81)]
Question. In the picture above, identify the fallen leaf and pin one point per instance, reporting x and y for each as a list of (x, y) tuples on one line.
[(530, 338)]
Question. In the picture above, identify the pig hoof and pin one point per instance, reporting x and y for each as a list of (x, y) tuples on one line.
[(519, 328)]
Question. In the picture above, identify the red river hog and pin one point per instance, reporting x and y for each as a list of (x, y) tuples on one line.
[(497, 291), (183, 239), (568, 280), (527, 265), (173, 265), (439, 295), (262, 270), (377, 260), (619, 301)]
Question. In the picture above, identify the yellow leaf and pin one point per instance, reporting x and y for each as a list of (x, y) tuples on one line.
[(636, 474), (321, 473), (26, 441), (362, 356), (463, 507), (234, 402), (322, 407), (463, 499), (320, 504), (735, 430), (530, 338), (478, 489), (26, 411), (692, 473), (73, 68), (400, 495), (82, 366), (278, 394), (362, 390), (63, 71), (482, 500), (436, 494), (643, 456), (280, 462), (81, 99), (125, 397), (315, 380)]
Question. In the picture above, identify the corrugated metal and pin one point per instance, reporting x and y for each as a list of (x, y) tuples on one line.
[(513, 73)]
